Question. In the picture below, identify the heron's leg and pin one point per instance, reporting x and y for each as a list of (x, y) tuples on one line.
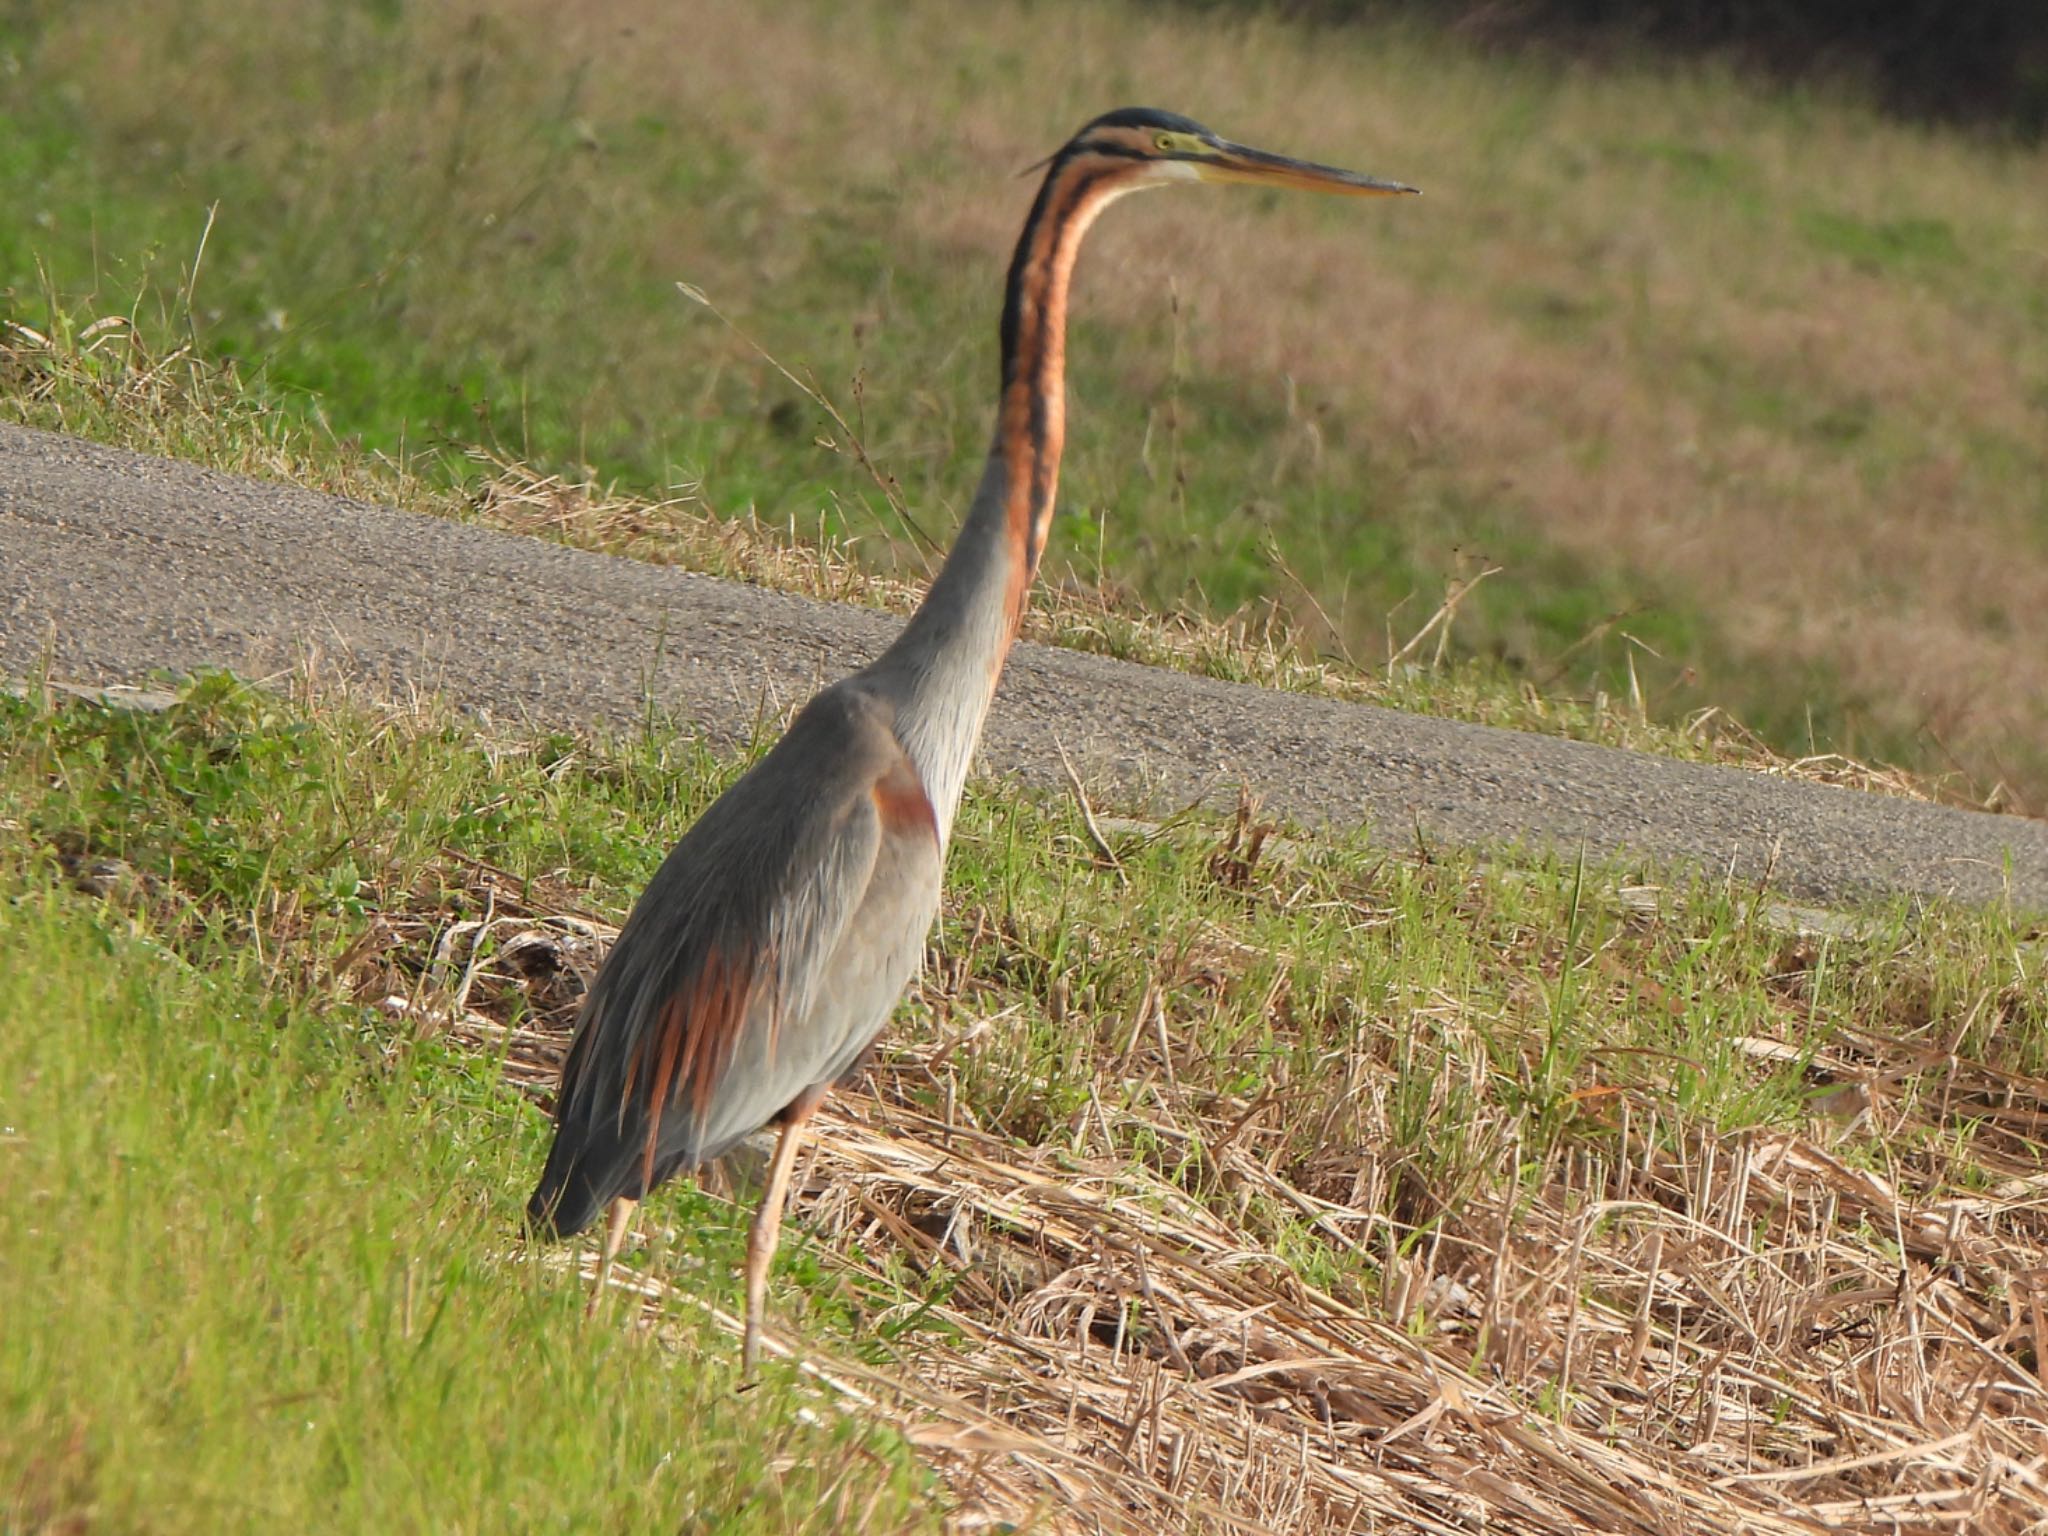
[(614, 1237), (767, 1227)]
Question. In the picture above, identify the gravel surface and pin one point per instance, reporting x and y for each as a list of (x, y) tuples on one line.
[(113, 565)]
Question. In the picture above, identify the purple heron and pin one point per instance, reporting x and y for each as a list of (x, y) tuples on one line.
[(769, 949)]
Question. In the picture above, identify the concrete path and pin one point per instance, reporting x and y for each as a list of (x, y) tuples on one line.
[(112, 565)]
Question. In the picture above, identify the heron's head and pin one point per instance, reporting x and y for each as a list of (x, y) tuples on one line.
[(1144, 147)]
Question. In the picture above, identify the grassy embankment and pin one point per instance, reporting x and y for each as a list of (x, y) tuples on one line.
[(1194, 1172), (1745, 394)]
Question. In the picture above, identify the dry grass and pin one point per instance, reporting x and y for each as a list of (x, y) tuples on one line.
[(1265, 646), (1681, 1331)]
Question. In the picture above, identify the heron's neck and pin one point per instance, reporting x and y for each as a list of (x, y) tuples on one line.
[(943, 668)]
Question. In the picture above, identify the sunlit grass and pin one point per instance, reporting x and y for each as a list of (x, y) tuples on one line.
[(261, 1269)]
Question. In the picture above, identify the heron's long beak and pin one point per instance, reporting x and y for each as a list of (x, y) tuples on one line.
[(1239, 162)]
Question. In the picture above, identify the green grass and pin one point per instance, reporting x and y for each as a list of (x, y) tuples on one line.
[(259, 1248), (1695, 362)]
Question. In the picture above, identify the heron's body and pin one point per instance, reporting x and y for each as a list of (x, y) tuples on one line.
[(771, 946), (806, 891)]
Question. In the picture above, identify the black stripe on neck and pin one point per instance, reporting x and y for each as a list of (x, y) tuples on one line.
[(1044, 465), (1020, 259)]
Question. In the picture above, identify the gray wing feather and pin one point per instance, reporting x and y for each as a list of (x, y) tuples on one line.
[(776, 937)]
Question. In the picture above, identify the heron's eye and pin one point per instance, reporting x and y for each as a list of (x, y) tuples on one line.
[(1165, 142)]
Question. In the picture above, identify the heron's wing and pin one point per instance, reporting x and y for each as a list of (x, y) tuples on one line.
[(766, 952), (849, 899)]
